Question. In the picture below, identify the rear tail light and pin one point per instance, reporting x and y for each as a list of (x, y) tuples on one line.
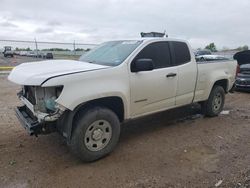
[(237, 70)]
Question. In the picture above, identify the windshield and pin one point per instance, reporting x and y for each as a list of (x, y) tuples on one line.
[(111, 53)]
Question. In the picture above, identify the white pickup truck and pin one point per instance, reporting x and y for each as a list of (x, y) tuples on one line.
[(87, 100)]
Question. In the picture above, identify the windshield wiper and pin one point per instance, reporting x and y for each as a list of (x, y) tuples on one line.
[(93, 62)]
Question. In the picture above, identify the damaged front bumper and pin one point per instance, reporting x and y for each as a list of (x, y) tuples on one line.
[(33, 126), (36, 122)]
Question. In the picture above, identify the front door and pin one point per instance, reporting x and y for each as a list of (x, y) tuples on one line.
[(154, 90)]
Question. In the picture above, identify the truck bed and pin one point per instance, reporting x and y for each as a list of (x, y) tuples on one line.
[(208, 71)]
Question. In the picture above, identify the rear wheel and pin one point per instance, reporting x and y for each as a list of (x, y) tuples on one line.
[(96, 134), (215, 103)]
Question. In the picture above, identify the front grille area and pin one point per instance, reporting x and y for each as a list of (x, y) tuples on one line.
[(30, 94), (31, 115), (41, 98)]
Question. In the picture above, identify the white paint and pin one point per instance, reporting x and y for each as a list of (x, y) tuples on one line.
[(36, 73), (161, 93)]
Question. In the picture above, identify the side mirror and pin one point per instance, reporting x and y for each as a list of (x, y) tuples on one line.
[(142, 65)]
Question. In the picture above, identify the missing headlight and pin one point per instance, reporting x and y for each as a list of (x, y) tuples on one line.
[(49, 101), (43, 98), (59, 91), (50, 104)]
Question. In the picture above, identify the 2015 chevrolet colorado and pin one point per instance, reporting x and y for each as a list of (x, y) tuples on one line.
[(87, 100)]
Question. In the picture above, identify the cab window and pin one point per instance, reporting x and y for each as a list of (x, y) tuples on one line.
[(181, 53), (159, 52)]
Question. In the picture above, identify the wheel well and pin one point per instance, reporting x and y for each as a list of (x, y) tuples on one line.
[(113, 103), (223, 83)]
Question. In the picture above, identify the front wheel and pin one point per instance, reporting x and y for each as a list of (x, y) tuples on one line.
[(215, 103), (96, 134)]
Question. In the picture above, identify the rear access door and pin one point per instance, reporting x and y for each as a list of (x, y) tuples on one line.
[(187, 72)]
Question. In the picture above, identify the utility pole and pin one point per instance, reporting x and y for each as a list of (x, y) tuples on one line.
[(74, 46), (36, 48)]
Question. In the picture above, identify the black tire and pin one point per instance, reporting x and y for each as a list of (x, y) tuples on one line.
[(202, 59), (84, 121), (212, 108)]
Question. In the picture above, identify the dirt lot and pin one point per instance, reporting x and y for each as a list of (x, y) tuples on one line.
[(177, 148)]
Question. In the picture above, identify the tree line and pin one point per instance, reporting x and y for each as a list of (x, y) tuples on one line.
[(212, 47)]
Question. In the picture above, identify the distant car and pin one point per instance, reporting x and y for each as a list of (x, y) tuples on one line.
[(40, 54), (49, 56), (202, 52), (210, 58), (31, 54), (243, 77), (16, 52), (8, 52), (23, 53)]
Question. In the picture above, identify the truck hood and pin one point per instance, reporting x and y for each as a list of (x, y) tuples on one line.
[(36, 73)]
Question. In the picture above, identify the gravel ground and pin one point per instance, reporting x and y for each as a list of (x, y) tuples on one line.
[(176, 148)]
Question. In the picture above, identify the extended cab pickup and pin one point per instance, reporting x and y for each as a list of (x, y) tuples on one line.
[(87, 100)]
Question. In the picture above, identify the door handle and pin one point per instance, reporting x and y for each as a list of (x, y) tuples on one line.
[(171, 75)]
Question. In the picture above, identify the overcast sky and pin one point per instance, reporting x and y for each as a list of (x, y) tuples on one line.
[(227, 23)]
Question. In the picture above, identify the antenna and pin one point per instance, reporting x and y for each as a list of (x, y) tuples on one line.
[(166, 35), (36, 47)]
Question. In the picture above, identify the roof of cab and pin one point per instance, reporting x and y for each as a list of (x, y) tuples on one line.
[(152, 39)]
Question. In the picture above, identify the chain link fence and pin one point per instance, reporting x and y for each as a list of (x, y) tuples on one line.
[(36, 48)]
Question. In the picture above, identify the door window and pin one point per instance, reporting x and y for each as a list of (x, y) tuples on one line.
[(181, 53), (159, 52)]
